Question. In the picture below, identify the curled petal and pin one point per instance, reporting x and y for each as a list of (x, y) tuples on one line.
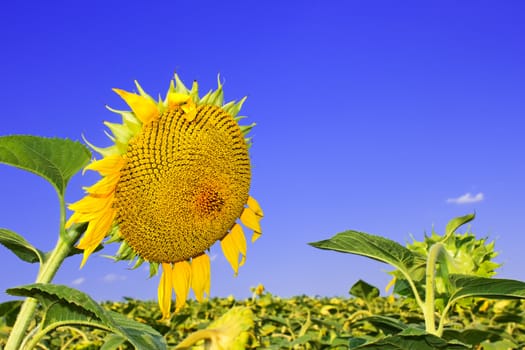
[(256, 236), (254, 206), (183, 101), (251, 220), (233, 244), (176, 99), (391, 283)]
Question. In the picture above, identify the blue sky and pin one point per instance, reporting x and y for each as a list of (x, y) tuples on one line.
[(375, 116)]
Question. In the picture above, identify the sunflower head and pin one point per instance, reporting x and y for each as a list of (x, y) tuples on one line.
[(175, 181), (230, 332)]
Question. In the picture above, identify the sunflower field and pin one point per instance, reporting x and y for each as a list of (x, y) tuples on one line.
[(301, 322), (175, 181)]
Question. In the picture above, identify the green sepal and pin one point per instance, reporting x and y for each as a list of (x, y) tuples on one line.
[(179, 86), (234, 107), (153, 269), (456, 223)]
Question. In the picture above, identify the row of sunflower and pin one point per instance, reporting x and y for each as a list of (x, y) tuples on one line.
[(302, 322)]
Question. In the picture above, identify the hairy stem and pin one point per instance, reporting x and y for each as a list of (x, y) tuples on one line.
[(443, 318), (429, 308), (48, 269)]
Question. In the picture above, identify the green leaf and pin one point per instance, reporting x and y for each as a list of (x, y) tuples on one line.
[(20, 247), (112, 342), (64, 305), (55, 159), (139, 334), (472, 336), (371, 246), (387, 324), (362, 289), (495, 288), (413, 339), (499, 345), (456, 223), (8, 312)]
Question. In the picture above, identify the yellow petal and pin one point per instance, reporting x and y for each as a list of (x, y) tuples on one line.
[(254, 206), (176, 99), (181, 283), (144, 108), (92, 204), (183, 101), (256, 236), (164, 291), (89, 208), (89, 204), (78, 217), (251, 220), (105, 186), (200, 276), (233, 244), (190, 110), (259, 290), (107, 165), (95, 233), (391, 283)]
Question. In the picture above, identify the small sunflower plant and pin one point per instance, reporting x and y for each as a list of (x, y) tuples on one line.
[(440, 275), (174, 181)]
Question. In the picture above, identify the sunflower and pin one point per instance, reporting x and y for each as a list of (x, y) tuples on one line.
[(175, 181)]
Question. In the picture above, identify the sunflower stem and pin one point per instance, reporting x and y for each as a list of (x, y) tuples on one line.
[(429, 308), (47, 272)]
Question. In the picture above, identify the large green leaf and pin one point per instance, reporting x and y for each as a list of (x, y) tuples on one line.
[(64, 305), (496, 288), (20, 247), (55, 159), (474, 336), (372, 246), (413, 339)]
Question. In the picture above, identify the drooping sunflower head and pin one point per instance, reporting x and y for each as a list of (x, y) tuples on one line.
[(175, 181)]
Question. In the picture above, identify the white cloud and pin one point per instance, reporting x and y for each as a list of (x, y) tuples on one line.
[(112, 277), (78, 281), (467, 198)]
